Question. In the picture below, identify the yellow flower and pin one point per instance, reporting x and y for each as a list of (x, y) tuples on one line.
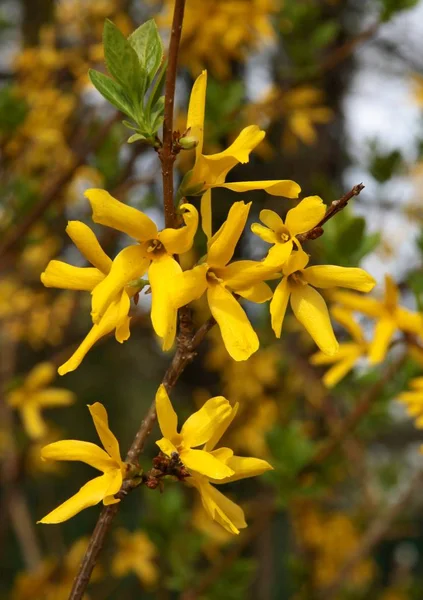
[(136, 554), (388, 314), (108, 461), (308, 305), (207, 465), (61, 275), (244, 277), (153, 254), (34, 395), (413, 399), (210, 171), (300, 219), (349, 352)]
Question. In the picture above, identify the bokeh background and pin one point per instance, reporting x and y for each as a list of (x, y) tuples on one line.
[(338, 86)]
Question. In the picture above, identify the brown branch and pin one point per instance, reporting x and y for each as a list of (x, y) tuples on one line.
[(374, 534), (166, 153), (335, 207)]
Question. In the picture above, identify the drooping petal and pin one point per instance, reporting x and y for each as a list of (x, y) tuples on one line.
[(196, 110), (272, 220), (112, 213), (40, 376), (178, 241), (245, 467), (85, 240), (162, 275), (131, 263), (242, 274), (105, 326), (202, 425), (123, 332), (259, 292), (89, 495), (86, 452), (239, 337), (33, 422), (205, 463), (368, 306), (264, 233), (228, 514), (311, 311), (221, 246), (67, 277), (219, 431), (279, 254), (306, 215), (206, 213), (282, 187), (166, 415), (189, 285), (346, 319), (53, 397), (101, 423), (278, 306), (327, 276), (384, 330)]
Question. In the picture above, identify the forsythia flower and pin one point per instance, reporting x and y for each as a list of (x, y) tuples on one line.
[(300, 219), (153, 254), (388, 314), (308, 305), (349, 352), (413, 399), (211, 171), (207, 465), (34, 395), (135, 554), (244, 277), (61, 275), (108, 461)]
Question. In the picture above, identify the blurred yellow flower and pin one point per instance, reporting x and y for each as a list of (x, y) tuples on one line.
[(135, 553), (413, 400), (108, 461), (34, 395)]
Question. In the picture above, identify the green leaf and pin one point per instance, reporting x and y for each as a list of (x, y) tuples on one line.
[(157, 89), (136, 137), (122, 62), (148, 45), (112, 91)]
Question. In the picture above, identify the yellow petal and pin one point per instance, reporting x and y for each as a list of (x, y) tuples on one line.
[(339, 371), (279, 254), (311, 311), (384, 330), (167, 447), (239, 337), (33, 422), (391, 293), (40, 376), (327, 276), (105, 326), (228, 514), (131, 263), (196, 110), (221, 246), (53, 397), (368, 306), (189, 285), (242, 274), (244, 467), (178, 241), (346, 319), (259, 292), (101, 423), (162, 275), (206, 213), (112, 213), (345, 350), (409, 321), (272, 220), (416, 383), (122, 332), (85, 240), (296, 262), (205, 463), (67, 277), (86, 452), (266, 234), (166, 415), (278, 306), (89, 495), (219, 431), (283, 187), (306, 215), (202, 425)]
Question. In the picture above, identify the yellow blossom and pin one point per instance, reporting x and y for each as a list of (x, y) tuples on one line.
[(300, 219), (61, 275), (207, 465), (108, 461), (221, 280), (153, 255), (136, 553), (349, 352), (413, 400), (308, 305), (389, 317), (34, 395)]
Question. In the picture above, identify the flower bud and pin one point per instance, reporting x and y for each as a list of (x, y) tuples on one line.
[(188, 142)]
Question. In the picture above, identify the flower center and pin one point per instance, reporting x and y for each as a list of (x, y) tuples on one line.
[(155, 247), (212, 278), (297, 278), (284, 235)]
